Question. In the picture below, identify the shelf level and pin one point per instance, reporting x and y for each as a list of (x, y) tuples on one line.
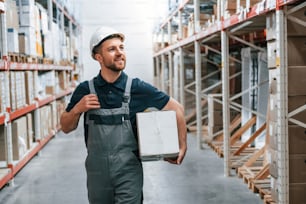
[(29, 108), (42, 67), (256, 10), (22, 111)]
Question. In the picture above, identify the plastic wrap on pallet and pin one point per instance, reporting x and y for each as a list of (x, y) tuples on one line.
[(48, 45), (12, 40), (30, 35), (12, 20), (263, 95), (43, 20), (56, 42), (27, 15)]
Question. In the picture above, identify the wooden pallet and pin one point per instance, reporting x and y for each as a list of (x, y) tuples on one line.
[(32, 59), (268, 200), (47, 61), (16, 57)]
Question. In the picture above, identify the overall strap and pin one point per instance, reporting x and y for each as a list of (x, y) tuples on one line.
[(92, 87), (127, 92), (92, 90)]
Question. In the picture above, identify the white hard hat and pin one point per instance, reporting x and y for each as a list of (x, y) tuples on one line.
[(101, 34)]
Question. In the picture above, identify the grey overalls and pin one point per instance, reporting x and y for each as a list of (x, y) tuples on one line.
[(114, 173)]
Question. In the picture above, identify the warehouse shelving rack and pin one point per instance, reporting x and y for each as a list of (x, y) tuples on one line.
[(224, 31), (9, 168)]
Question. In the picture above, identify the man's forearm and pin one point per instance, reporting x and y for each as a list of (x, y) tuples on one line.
[(69, 121), (182, 130)]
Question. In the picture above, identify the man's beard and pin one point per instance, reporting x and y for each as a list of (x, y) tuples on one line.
[(114, 68)]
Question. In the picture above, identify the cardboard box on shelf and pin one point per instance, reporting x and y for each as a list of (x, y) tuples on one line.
[(23, 43), (19, 137), (11, 14), (297, 168), (296, 51), (12, 40), (297, 80), (297, 139), (4, 100), (157, 135), (28, 15), (50, 90), (20, 89), (43, 18), (63, 80), (60, 108), (54, 116), (29, 86), (3, 144), (297, 193), (46, 121), (13, 91), (30, 39), (30, 131), (295, 29)]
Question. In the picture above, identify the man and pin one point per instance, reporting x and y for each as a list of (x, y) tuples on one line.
[(110, 102)]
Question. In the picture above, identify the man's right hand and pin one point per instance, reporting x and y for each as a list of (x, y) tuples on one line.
[(88, 102)]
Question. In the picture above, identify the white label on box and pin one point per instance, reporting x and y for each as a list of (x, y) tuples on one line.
[(157, 135)]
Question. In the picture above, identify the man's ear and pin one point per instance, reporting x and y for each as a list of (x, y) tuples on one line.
[(98, 57)]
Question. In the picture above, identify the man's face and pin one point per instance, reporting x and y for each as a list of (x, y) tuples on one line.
[(112, 54)]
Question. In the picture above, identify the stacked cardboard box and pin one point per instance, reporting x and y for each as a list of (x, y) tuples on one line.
[(60, 107), (13, 91), (30, 130), (3, 145), (29, 87), (12, 40), (63, 78), (19, 137), (11, 14), (45, 121), (17, 90), (20, 89), (3, 99)]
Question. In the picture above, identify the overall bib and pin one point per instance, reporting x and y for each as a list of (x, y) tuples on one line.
[(114, 172)]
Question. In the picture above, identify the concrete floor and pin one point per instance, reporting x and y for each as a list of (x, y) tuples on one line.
[(58, 176)]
